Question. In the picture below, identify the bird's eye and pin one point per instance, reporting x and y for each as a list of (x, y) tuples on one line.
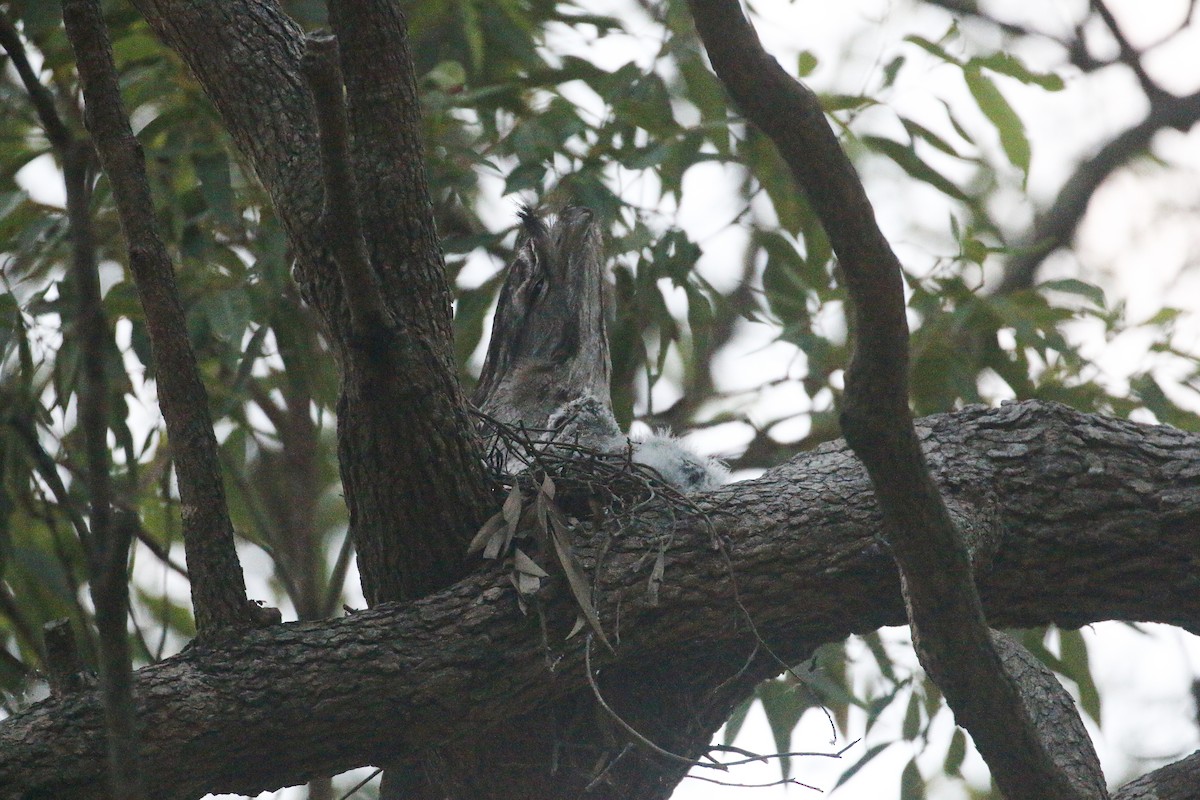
[(537, 289)]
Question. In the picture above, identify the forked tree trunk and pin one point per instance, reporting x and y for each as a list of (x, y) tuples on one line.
[(549, 349)]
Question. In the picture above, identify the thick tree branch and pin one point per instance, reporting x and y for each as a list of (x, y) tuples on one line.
[(1176, 781), (946, 617), (1084, 512), (218, 588), (385, 120), (410, 462), (390, 497)]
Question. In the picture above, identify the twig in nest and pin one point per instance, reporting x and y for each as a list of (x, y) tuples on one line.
[(557, 483), (629, 729)]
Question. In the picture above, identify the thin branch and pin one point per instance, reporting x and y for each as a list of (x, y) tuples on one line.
[(43, 100), (91, 329), (48, 471), (337, 578), (160, 552), (630, 731), (1056, 226), (341, 223), (1130, 56), (780, 782), (354, 789), (944, 608), (274, 413), (107, 545), (218, 588), (751, 757)]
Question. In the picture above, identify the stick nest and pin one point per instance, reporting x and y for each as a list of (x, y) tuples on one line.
[(552, 486)]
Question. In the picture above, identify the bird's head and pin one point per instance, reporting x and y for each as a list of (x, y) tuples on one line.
[(549, 342)]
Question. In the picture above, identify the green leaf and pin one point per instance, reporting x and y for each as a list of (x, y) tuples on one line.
[(912, 717), (956, 753), (918, 131), (212, 170), (733, 725), (891, 71), (528, 175), (934, 49), (974, 250), (806, 63), (176, 617), (786, 290), (912, 785), (875, 645), (1002, 116), (1008, 64), (228, 314), (906, 158), (784, 703), (472, 32), (865, 759), (136, 46), (1077, 667), (1094, 294), (675, 255), (646, 103), (447, 76), (959, 128), (845, 102)]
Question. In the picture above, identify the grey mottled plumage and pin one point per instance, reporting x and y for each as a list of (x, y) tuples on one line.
[(547, 365)]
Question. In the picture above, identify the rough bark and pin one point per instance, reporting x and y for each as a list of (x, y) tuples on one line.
[(949, 629), (1176, 781), (409, 459), (1082, 514), (405, 441), (549, 350)]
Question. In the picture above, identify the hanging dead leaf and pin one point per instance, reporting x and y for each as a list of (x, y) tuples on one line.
[(487, 532), (580, 588), (526, 565), (512, 509)]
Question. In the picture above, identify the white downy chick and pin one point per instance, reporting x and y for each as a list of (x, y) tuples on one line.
[(588, 421), (679, 466)]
